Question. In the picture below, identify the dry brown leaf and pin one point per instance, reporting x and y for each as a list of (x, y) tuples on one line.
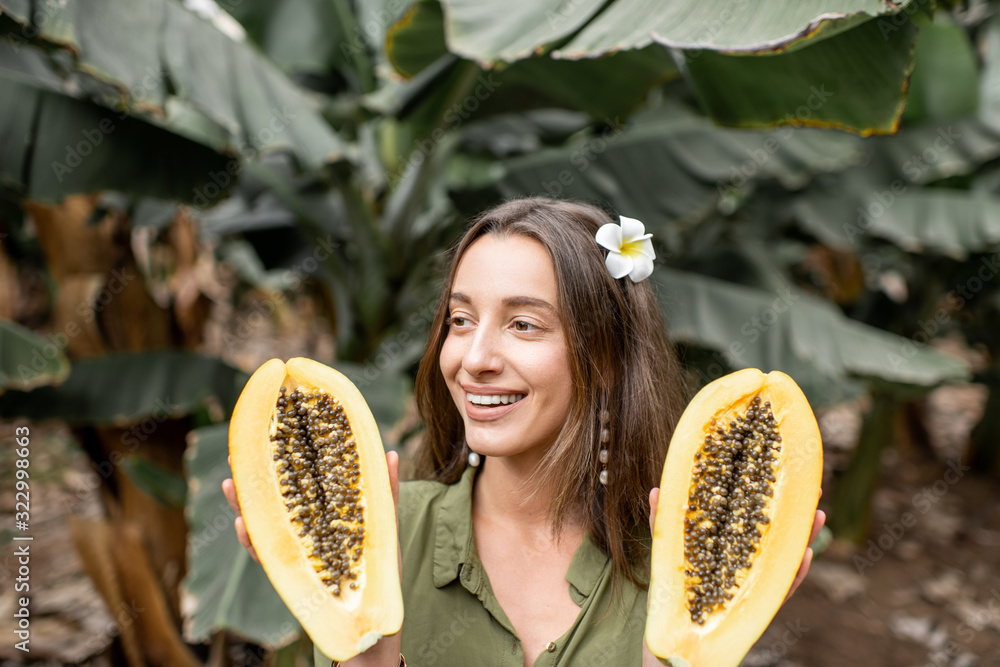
[(70, 244), (9, 289), (161, 641), (165, 528), (93, 541), (75, 313)]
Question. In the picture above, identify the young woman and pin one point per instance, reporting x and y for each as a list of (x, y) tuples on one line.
[(549, 392)]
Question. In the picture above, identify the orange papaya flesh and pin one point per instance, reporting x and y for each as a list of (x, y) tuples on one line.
[(313, 487), (738, 496)]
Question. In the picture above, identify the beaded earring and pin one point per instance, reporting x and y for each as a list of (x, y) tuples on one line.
[(602, 455), (473, 458)]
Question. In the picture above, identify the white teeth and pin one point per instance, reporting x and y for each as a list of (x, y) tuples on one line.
[(494, 399)]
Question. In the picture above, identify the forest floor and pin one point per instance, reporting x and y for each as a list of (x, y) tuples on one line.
[(923, 591), (924, 588)]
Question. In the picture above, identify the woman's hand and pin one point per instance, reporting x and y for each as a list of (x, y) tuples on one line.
[(386, 651), (648, 660), (229, 488), (807, 559)]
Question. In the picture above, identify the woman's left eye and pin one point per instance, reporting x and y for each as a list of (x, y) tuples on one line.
[(521, 325)]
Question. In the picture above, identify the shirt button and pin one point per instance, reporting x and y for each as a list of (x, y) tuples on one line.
[(551, 647)]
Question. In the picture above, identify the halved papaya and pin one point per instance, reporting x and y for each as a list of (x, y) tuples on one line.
[(738, 495), (313, 487)]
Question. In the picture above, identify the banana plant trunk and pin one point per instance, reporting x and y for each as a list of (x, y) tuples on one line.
[(984, 445), (851, 509)]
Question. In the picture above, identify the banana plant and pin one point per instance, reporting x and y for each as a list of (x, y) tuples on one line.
[(372, 128), (804, 78)]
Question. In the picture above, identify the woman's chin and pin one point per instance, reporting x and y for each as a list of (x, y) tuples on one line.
[(511, 449), (490, 448)]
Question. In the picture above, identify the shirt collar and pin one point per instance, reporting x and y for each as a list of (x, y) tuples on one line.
[(586, 568), (453, 530), (454, 546)]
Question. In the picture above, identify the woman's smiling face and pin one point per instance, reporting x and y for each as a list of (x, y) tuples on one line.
[(505, 358)]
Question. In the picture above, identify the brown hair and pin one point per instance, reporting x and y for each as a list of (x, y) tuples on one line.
[(620, 360)]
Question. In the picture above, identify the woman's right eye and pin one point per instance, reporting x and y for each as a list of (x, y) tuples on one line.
[(456, 321)]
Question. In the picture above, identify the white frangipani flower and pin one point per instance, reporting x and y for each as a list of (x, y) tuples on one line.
[(631, 252)]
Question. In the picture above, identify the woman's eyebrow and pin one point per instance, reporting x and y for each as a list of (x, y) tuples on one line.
[(512, 302), (516, 301)]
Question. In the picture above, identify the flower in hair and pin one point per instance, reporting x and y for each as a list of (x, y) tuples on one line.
[(630, 250)]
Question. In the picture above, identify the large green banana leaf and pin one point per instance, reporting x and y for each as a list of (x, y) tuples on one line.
[(514, 30), (223, 589), (28, 360), (989, 92), (725, 25), (417, 39), (20, 10), (123, 388), (945, 80), (794, 332), (298, 35), (952, 138), (604, 87), (854, 80), (937, 220), (56, 145), (669, 165), (750, 64), (842, 209), (151, 60)]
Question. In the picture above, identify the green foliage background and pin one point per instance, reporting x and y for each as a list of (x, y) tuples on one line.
[(345, 143)]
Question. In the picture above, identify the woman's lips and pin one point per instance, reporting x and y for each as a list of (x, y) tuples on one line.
[(489, 413), (494, 398)]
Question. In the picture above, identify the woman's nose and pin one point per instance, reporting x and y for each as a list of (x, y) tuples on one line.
[(484, 354)]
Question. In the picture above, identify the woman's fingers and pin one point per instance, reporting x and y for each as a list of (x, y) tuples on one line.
[(392, 460), (654, 499), (801, 574), (229, 489), (244, 537), (818, 521)]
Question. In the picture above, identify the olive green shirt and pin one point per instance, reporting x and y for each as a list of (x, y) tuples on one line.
[(453, 619)]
